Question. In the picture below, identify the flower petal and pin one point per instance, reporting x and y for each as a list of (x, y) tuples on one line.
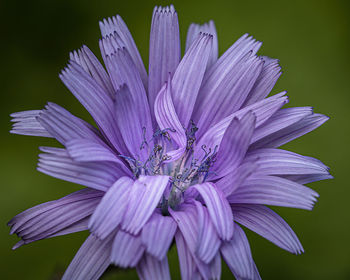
[(217, 74), (285, 135), (276, 191), (268, 224), (279, 120), (97, 102), (240, 48), (187, 265), (191, 267), (64, 126), (86, 59), (186, 219), (268, 77), (238, 256), (235, 179), (209, 28), (234, 145), (157, 235), (208, 241), (110, 211), (91, 260), (189, 75), (167, 118), (134, 126), (281, 162), (97, 175), (218, 208), (150, 268), (116, 26), (308, 178), (164, 49), (50, 218), (85, 150), (223, 95), (145, 195), (26, 123), (262, 110), (127, 249), (215, 267)]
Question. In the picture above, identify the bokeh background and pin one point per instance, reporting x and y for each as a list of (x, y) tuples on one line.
[(311, 39)]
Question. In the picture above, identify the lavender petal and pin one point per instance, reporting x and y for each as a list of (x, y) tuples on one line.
[(127, 249), (189, 76), (55, 217), (167, 118), (116, 26), (237, 255), (271, 190), (97, 175), (281, 162), (235, 179), (164, 49), (157, 235), (208, 241), (268, 77), (234, 145), (262, 110), (187, 265), (26, 123), (285, 135), (110, 211), (86, 59), (97, 102), (145, 195), (150, 268), (135, 127), (220, 97), (209, 27), (91, 260), (64, 126), (218, 208), (279, 120), (268, 224)]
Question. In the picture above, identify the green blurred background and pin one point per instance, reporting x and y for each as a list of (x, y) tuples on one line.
[(311, 39)]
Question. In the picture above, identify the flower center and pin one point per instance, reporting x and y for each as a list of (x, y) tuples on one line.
[(184, 171)]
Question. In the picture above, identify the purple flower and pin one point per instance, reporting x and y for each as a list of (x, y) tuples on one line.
[(188, 152)]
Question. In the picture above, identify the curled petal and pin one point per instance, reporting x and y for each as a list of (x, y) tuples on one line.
[(166, 116), (208, 241), (110, 211), (218, 208), (145, 195), (157, 235)]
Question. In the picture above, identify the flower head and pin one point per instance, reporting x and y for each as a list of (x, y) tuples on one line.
[(188, 152)]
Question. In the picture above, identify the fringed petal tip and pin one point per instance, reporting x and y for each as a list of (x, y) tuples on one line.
[(167, 9)]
